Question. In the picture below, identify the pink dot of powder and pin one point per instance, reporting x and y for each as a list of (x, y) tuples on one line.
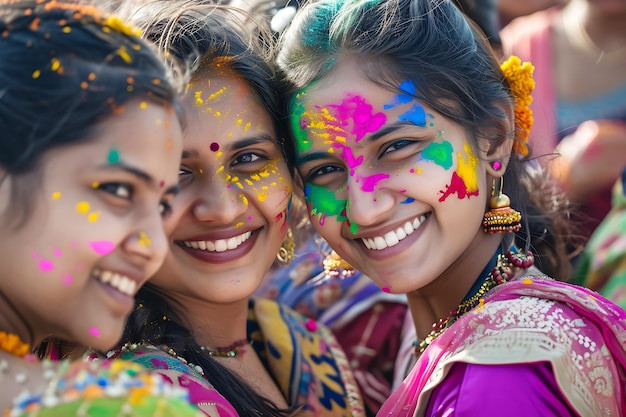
[(57, 253), (95, 331), (412, 171), (45, 265), (102, 247), (35, 255), (162, 183), (310, 325), (385, 289), (249, 217), (68, 279), (214, 147)]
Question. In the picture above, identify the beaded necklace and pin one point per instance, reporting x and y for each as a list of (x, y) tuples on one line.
[(507, 265), (229, 351)]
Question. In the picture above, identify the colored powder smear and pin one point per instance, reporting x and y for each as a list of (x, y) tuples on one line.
[(94, 331), (464, 181), (82, 207), (46, 265), (386, 289), (68, 279), (409, 200), (102, 247), (56, 195), (324, 202), (369, 183), (416, 114), (439, 153), (114, 156)]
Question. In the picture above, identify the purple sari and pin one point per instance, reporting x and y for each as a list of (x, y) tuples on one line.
[(531, 328)]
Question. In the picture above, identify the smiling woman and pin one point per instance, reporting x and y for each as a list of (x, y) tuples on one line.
[(195, 320), (410, 138), (89, 152)]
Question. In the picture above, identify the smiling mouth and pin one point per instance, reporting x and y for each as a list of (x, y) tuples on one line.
[(120, 282), (220, 245), (394, 237)]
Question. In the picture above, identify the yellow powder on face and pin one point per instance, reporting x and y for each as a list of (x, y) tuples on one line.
[(82, 207), (217, 94), (143, 105), (93, 217), (56, 195), (198, 97), (239, 224), (144, 240), (468, 167), (244, 199)]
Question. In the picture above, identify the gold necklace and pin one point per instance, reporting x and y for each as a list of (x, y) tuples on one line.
[(507, 265), (229, 351)]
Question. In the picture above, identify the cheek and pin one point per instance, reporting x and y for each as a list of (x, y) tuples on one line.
[(323, 203)]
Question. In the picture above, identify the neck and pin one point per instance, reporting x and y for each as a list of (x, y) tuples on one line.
[(444, 294), (215, 324)]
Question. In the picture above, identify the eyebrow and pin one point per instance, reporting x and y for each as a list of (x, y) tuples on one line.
[(142, 175), (390, 129), (236, 145), (313, 156)]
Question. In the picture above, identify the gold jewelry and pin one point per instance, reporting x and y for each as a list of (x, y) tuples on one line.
[(229, 351), (287, 249), (335, 266), (11, 343), (507, 266), (500, 217)]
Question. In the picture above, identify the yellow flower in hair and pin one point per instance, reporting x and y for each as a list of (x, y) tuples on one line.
[(520, 79), (117, 24)]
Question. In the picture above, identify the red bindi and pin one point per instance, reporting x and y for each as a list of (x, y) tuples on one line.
[(215, 147)]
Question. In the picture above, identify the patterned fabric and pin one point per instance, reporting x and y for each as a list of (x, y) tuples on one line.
[(603, 264), (179, 374), (527, 321), (303, 357), (367, 322)]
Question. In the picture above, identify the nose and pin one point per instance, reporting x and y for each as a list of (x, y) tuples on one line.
[(148, 244), (220, 204), (368, 202)]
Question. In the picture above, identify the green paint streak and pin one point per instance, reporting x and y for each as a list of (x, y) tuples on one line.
[(354, 228), (114, 156), (303, 143), (439, 153), (325, 202)]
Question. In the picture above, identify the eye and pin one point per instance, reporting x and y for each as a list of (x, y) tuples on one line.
[(183, 171), (124, 191), (165, 208), (397, 145), (246, 158)]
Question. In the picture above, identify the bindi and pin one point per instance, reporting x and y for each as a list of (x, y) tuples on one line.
[(214, 147)]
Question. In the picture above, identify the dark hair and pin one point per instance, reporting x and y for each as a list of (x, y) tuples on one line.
[(455, 72), (157, 321), (64, 67), (198, 38)]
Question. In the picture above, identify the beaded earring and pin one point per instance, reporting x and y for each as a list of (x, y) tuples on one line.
[(500, 218), (287, 249)]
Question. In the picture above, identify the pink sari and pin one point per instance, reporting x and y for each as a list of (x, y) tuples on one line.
[(525, 321)]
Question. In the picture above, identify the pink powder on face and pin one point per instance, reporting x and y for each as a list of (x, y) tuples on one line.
[(370, 182), (68, 279), (102, 247), (45, 265), (57, 253), (385, 289), (95, 331)]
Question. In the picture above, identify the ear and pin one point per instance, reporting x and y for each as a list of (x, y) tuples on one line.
[(498, 147)]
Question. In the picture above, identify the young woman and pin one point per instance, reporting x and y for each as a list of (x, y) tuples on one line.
[(229, 222), (409, 137), (89, 152)]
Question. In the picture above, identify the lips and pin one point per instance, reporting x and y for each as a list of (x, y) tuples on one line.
[(393, 237), (221, 250), (219, 245)]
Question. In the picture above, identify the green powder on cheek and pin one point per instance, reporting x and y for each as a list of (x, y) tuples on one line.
[(324, 202)]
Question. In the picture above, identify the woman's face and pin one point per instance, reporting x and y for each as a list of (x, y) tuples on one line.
[(231, 215), (394, 187), (96, 233)]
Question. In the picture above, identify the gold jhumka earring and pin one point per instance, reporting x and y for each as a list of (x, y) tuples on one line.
[(500, 218)]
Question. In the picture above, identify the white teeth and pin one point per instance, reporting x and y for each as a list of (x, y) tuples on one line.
[(120, 282), (220, 245), (393, 237)]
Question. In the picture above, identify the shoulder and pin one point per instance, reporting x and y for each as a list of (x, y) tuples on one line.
[(106, 387)]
